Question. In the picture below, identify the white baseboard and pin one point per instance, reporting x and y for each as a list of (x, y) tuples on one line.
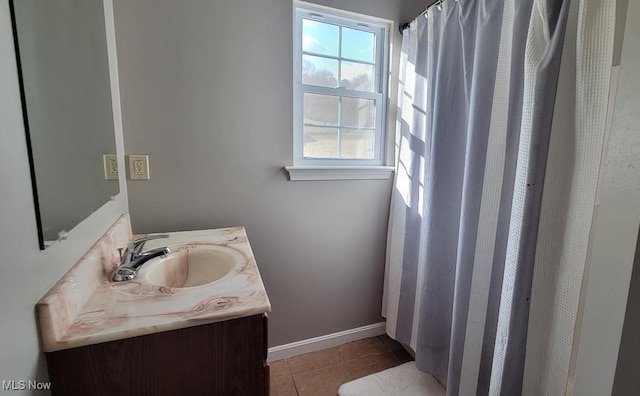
[(325, 341)]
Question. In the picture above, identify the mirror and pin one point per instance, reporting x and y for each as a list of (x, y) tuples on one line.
[(61, 49)]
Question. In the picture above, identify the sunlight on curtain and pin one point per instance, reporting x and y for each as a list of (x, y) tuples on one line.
[(495, 187)]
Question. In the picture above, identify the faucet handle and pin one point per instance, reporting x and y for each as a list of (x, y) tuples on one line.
[(138, 243)]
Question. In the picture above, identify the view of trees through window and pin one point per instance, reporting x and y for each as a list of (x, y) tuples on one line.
[(339, 122)]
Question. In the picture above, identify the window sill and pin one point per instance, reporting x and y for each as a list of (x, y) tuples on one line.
[(300, 173)]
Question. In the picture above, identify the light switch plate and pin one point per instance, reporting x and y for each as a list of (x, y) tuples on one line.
[(138, 167), (110, 162)]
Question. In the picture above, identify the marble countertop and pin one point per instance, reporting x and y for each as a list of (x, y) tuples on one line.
[(85, 307)]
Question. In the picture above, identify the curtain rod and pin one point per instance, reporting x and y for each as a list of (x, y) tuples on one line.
[(437, 3)]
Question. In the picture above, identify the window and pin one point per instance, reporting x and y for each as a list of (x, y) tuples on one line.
[(340, 67)]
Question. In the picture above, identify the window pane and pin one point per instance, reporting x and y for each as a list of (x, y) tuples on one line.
[(319, 71), (357, 144), (319, 38), (357, 76), (359, 113), (320, 142), (320, 109), (358, 45)]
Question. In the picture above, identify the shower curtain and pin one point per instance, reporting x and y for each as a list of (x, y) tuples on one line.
[(499, 137)]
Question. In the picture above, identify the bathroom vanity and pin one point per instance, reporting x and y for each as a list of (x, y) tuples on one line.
[(181, 327), (224, 358)]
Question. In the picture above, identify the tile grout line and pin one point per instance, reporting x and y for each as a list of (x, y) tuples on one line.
[(295, 387), (349, 368), (293, 380)]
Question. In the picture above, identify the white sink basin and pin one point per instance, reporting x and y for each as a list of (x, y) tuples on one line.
[(193, 266)]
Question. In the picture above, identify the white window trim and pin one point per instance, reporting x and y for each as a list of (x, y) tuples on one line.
[(331, 168)]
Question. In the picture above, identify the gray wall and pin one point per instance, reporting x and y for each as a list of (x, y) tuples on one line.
[(207, 93), (26, 272), (627, 380), (614, 230)]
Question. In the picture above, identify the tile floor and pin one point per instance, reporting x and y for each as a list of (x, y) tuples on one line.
[(321, 373)]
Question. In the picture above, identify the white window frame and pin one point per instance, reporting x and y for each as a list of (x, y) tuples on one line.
[(340, 168)]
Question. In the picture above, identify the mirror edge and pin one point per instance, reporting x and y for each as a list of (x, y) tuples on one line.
[(25, 121)]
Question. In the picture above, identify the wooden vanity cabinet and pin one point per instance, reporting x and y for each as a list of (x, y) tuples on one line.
[(225, 358)]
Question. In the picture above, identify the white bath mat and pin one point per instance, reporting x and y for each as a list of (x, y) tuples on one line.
[(403, 380)]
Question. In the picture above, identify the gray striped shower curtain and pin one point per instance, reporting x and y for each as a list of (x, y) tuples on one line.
[(499, 135)]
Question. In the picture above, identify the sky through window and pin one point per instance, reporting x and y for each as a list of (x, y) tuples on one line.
[(330, 41)]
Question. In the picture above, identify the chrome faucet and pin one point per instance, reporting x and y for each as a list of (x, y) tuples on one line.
[(134, 257)]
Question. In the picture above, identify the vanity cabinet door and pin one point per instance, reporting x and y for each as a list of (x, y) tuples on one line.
[(225, 358)]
